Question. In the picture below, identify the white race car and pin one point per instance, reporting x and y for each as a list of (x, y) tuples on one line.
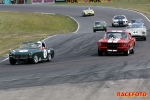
[(119, 20), (88, 12), (137, 30)]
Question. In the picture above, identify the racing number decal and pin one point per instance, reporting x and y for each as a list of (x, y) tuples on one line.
[(44, 53)]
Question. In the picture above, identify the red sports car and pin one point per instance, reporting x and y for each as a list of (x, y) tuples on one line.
[(116, 41)]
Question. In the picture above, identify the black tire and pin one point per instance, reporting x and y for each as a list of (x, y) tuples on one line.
[(12, 61), (83, 14), (100, 53), (35, 59), (126, 53), (105, 30), (94, 31), (112, 25), (144, 38), (132, 51), (93, 14), (49, 57)]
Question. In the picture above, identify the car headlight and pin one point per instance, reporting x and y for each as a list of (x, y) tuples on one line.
[(12, 52), (115, 21), (30, 54), (143, 32), (99, 44), (125, 44)]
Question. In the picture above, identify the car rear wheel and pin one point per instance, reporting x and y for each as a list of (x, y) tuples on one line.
[(100, 53), (126, 53), (49, 58), (12, 61), (35, 59), (94, 31)]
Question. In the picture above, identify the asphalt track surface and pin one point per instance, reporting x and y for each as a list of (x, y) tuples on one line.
[(77, 72)]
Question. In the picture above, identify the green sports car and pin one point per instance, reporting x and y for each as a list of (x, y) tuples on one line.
[(99, 26), (31, 51)]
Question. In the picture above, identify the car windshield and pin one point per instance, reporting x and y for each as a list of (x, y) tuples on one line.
[(88, 8), (137, 21), (119, 17), (29, 45), (116, 35), (97, 23)]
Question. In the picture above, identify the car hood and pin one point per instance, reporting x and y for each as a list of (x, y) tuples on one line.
[(24, 51), (113, 40), (99, 25), (119, 19)]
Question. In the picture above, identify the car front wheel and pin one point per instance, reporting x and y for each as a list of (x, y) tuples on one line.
[(35, 59), (83, 14), (144, 38), (12, 61), (126, 53), (100, 53), (112, 25)]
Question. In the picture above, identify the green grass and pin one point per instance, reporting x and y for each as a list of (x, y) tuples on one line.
[(16, 27), (137, 5)]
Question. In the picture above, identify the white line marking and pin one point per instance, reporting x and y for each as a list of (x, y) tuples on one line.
[(77, 23), (49, 37), (4, 59)]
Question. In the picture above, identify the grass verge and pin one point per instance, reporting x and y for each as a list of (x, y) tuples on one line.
[(16, 27)]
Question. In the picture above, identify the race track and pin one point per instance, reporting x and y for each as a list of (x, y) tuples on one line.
[(77, 72)]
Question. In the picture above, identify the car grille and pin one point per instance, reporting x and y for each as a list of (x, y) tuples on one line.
[(21, 56), (120, 22), (112, 45)]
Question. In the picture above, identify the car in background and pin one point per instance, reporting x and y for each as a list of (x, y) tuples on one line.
[(119, 20), (31, 51), (88, 12), (99, 26), (116, 41), (137, 30), (136, 20)]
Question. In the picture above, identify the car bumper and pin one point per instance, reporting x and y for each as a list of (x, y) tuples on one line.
[(99, 29), (119, 49), (89, 14), (138, 35), (120, 24), (20, 57)]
